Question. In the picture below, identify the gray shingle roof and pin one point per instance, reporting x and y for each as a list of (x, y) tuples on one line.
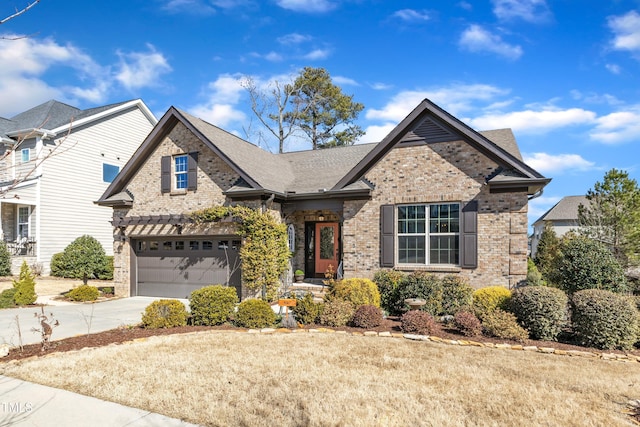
[(50, 115), (505, 139), (565, 209)]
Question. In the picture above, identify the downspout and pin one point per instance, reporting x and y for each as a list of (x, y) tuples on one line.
[(536, 194)]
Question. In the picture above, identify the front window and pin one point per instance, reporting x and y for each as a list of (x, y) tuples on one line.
[(23, 221), (181, 169), (429, 234)]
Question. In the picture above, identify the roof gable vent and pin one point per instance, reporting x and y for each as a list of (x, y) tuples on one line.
[(428, 131)]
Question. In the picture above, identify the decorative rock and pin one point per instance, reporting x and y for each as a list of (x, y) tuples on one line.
[(370, 334), (475, 343), (548, 350), (397, 335), (581, 353), (436, 339), (504, 346), (516, 347), (415, 337), (314, 331), (4, 350), (283, 330), (489, 345), (341, 332), (452, 342), (267, 330), (608, 356), (530, 348), (560, 352), (327, 330), (385, 334), (253, 331)]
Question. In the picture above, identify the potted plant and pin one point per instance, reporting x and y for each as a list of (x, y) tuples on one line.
[(299, 276)]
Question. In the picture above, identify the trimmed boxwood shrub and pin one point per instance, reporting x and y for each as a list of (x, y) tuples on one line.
[(84, 258), (367, 316), (83, 293), (486, 300), (336, 312), (306, 310), (357, 291), (456, 294), (417, 322), (467, 323), (212, 305), (164, 313), (501, 324), (541, 310), (388, 282), (255, 313), (604, 320), (425, 286), (6, 298)]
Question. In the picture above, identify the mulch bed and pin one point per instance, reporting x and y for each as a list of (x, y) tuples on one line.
[(117, 336)]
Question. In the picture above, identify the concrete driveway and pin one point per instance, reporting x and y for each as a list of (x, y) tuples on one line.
[(74, 319)]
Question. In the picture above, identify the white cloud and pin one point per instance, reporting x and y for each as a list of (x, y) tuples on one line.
[(411, 15), (317, 54), (307, 6), (376, 133), (222, 96), (476, 39), (293, 38), (380, 86), (192, 7), (555, 163), (618, 127), (626, 29), (456, 98), (532, 121), (344, 81), (613, 68), (526, 10), (273, 57), (141, 69), (23, 84)]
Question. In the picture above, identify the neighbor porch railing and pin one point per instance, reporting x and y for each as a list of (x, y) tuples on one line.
[(24, 246)]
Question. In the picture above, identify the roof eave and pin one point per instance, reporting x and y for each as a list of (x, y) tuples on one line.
[(532, 185)]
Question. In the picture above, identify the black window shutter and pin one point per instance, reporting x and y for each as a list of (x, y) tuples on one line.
[(192, 175), (165, 174), (469, 236), (387, 238)]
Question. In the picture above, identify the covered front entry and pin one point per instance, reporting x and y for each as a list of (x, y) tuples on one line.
[(322, 247), (174, 267)]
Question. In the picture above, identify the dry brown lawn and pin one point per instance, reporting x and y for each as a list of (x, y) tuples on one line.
[(240, 379), (47, 285)]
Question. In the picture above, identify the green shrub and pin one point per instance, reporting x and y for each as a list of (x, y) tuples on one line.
[(584, 263), (164, 313), (5, 260), (212, 305), (83, 293), (456, 294), (424, 286), (6, 298), (357, 291), (388, 282), (367, 316), (604, 320), (501, 324), (25, 286), (83, 258), (306, 310), (467, 323), (486, 300), (106, 272), (255, 313), (336, 312), (417, 322), (534, 277), (541, 310)]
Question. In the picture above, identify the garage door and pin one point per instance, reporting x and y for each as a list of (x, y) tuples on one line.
[(174, 267)]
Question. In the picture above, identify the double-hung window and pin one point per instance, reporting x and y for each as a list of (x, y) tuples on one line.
[(181, 171), (428, 234), (23, 221), (25, 155)]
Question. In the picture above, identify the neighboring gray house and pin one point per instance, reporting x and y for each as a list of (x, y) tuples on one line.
[(563, 217), (55, 160)]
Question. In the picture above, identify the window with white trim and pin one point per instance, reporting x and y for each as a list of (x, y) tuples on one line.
[(25, 155), (181, 170), (429, 234), (23, 221)]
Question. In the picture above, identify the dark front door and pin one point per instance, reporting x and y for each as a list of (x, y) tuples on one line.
[(326, 247)]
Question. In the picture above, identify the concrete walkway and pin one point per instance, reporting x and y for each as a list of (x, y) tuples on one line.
[(27, 404), (74, 319)]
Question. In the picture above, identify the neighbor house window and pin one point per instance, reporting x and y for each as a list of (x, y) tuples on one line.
[(429, 234), (180, 171), (109, 172), (26, 155), (23, 221)]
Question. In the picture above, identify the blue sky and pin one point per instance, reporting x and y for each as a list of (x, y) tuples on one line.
[(563, 74)]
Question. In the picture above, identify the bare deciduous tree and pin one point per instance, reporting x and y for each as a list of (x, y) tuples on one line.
[(15, 14)]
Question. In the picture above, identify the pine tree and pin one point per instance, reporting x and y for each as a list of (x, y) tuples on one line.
[(25, 286)]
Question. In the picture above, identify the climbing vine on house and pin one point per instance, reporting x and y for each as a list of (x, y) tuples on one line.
[(265, 250)]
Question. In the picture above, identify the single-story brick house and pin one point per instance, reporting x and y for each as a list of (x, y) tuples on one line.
[(434, 195)]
